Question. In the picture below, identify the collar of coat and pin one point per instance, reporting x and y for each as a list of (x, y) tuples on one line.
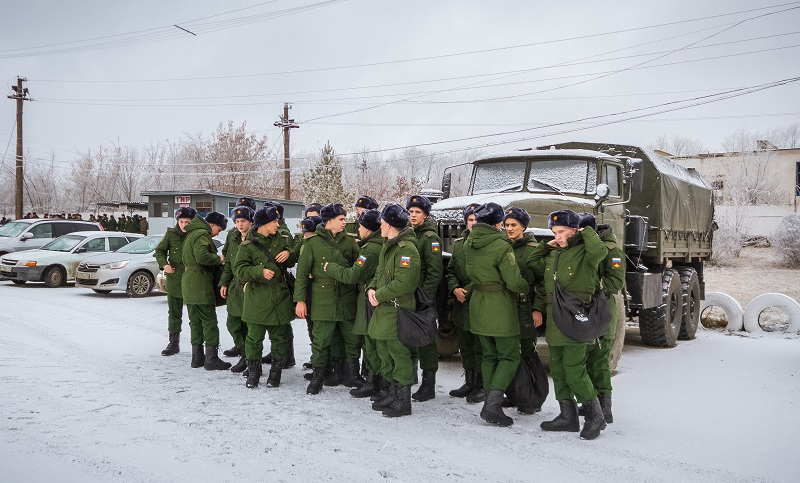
[(374, 237), (406, 233)]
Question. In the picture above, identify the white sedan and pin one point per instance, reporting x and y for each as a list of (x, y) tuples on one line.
[(56, 263), (132, 268)]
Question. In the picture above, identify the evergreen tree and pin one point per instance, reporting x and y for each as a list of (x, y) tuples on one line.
[(324, 182)]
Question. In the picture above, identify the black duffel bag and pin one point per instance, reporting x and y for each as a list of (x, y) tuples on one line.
[(219, 300), (417, 328), (579, 320), (530, 387)]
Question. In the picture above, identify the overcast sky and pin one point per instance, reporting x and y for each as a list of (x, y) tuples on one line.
[(445, 74)]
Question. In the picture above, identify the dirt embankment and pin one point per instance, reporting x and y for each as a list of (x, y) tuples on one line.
[(756, 271)]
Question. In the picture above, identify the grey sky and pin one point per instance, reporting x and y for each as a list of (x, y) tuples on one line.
[(235, 69)]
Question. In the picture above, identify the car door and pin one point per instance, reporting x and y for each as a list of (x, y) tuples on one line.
[(89, 247), (40, 235)]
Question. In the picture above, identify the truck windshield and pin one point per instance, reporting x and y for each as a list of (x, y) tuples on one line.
[(563, 176), (499, 177)]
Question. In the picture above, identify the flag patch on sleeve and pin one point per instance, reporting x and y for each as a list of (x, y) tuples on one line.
[(361, 260), (616, 262), (405, 261), (435, 246)]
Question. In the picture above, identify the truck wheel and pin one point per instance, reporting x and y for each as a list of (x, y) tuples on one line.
[(54, 277), (690, 286), (619, 337), (140, 284), (767, 300), (660, 326)]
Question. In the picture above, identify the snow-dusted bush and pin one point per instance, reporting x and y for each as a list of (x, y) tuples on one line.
[(787, 240), (727, 245)]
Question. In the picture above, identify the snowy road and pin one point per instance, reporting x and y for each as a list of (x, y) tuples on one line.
[(86, 396)]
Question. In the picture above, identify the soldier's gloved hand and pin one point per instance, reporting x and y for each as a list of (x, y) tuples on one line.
[(282, 256), (268, 274), (223, 291)]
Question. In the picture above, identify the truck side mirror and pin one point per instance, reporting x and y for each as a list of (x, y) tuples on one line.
[(633, 172), (447, 181)]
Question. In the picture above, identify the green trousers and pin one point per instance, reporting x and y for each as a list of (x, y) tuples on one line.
[(396, 365), (568, 369), (469, 345), (527, 348), (174, 314), (500, 361), (429, 357), (597, 366), (278, 338), (203, 322), (371, 356), (321, 347), (238, 330)]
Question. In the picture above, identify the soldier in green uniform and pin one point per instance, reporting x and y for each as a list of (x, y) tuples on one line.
[(112, 224), (429, 246), (580, 252), (312, 209), (261, 265), (230, 287), (363, 203), (169, 256), (334, 302), (308, 226), (361, 273), (200, 259), (612, 279), (396, 280), (493, 312), (469, 344), (121, 222), (144, 226)]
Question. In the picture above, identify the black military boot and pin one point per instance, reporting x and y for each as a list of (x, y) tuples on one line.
[(386, 401), (352, 378), (198, 358), (334, 376), (466, 388), (290, 361), (427, 390), (401, 406), (274, 379), (307, 365), (317, 378), (477, 394), (173, 346), (267, 359), (493, 410), (567, 420), (233, 352), (381, 390), (595, 421), (241, 365), (253, 373), (605, 403), (213, 362), (368, 388)]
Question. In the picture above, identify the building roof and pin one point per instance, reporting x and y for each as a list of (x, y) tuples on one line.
[(213, 193)]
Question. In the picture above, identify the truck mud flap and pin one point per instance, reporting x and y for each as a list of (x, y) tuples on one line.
[(644, 289)]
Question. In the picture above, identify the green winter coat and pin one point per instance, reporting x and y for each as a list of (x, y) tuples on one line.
[(332, 300), (522, 251), (429, 246), (457, 278), (612, 274), (112, 225), (496, 283), (578, 266), (199, 259), (284, 230), (396, 279), (235, 299), (266, 302), (361, 273), (170, 252)]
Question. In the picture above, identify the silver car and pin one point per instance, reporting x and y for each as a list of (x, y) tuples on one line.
[(132, 268)]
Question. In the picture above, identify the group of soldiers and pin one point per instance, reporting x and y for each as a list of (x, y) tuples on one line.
[(350, 286), (128, 224)]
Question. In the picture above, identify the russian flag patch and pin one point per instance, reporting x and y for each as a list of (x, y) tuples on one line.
[(435, 246), (361, 260), (616, 262), (405, 261)]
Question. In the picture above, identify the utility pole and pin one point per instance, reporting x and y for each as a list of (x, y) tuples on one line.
[(20, 95), (286, 124)]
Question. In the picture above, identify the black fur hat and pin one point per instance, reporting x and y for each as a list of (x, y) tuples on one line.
[(313, 207), (276, 205), (331, 211), (470, 210), (309, 224), (587, 219), (518, 214), (370, 219), (366, 202), (489, 213), (183, 212), (217, 218), (566, 218), (421, 202), (265, 215), (395, 215), (248, 202), (244, 212)]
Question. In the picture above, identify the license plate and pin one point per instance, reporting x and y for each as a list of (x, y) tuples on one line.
[(83, 275), (5, 268)]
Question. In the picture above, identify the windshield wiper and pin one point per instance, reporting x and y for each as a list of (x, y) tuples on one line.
[(552, 187), (509, 187)]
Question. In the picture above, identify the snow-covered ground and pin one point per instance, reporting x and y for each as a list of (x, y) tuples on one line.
[(86, 396)]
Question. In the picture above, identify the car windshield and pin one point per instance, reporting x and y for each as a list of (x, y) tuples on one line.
[(64, 243), (13, 228), (563, 176), (499, 177), (141, 246)]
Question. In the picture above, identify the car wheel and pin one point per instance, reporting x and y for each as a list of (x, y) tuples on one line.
[(140, 284), (18, 282), (101, 291), (54, 277)]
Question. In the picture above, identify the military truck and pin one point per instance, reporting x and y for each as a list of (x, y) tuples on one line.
[(661, 213)]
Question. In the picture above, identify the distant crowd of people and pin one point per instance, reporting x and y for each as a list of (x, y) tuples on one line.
[(128, 224)]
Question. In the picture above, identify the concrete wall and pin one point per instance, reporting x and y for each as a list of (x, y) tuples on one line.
[(759, 219)]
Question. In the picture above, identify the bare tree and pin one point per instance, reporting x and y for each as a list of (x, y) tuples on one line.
[(678, 145)]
